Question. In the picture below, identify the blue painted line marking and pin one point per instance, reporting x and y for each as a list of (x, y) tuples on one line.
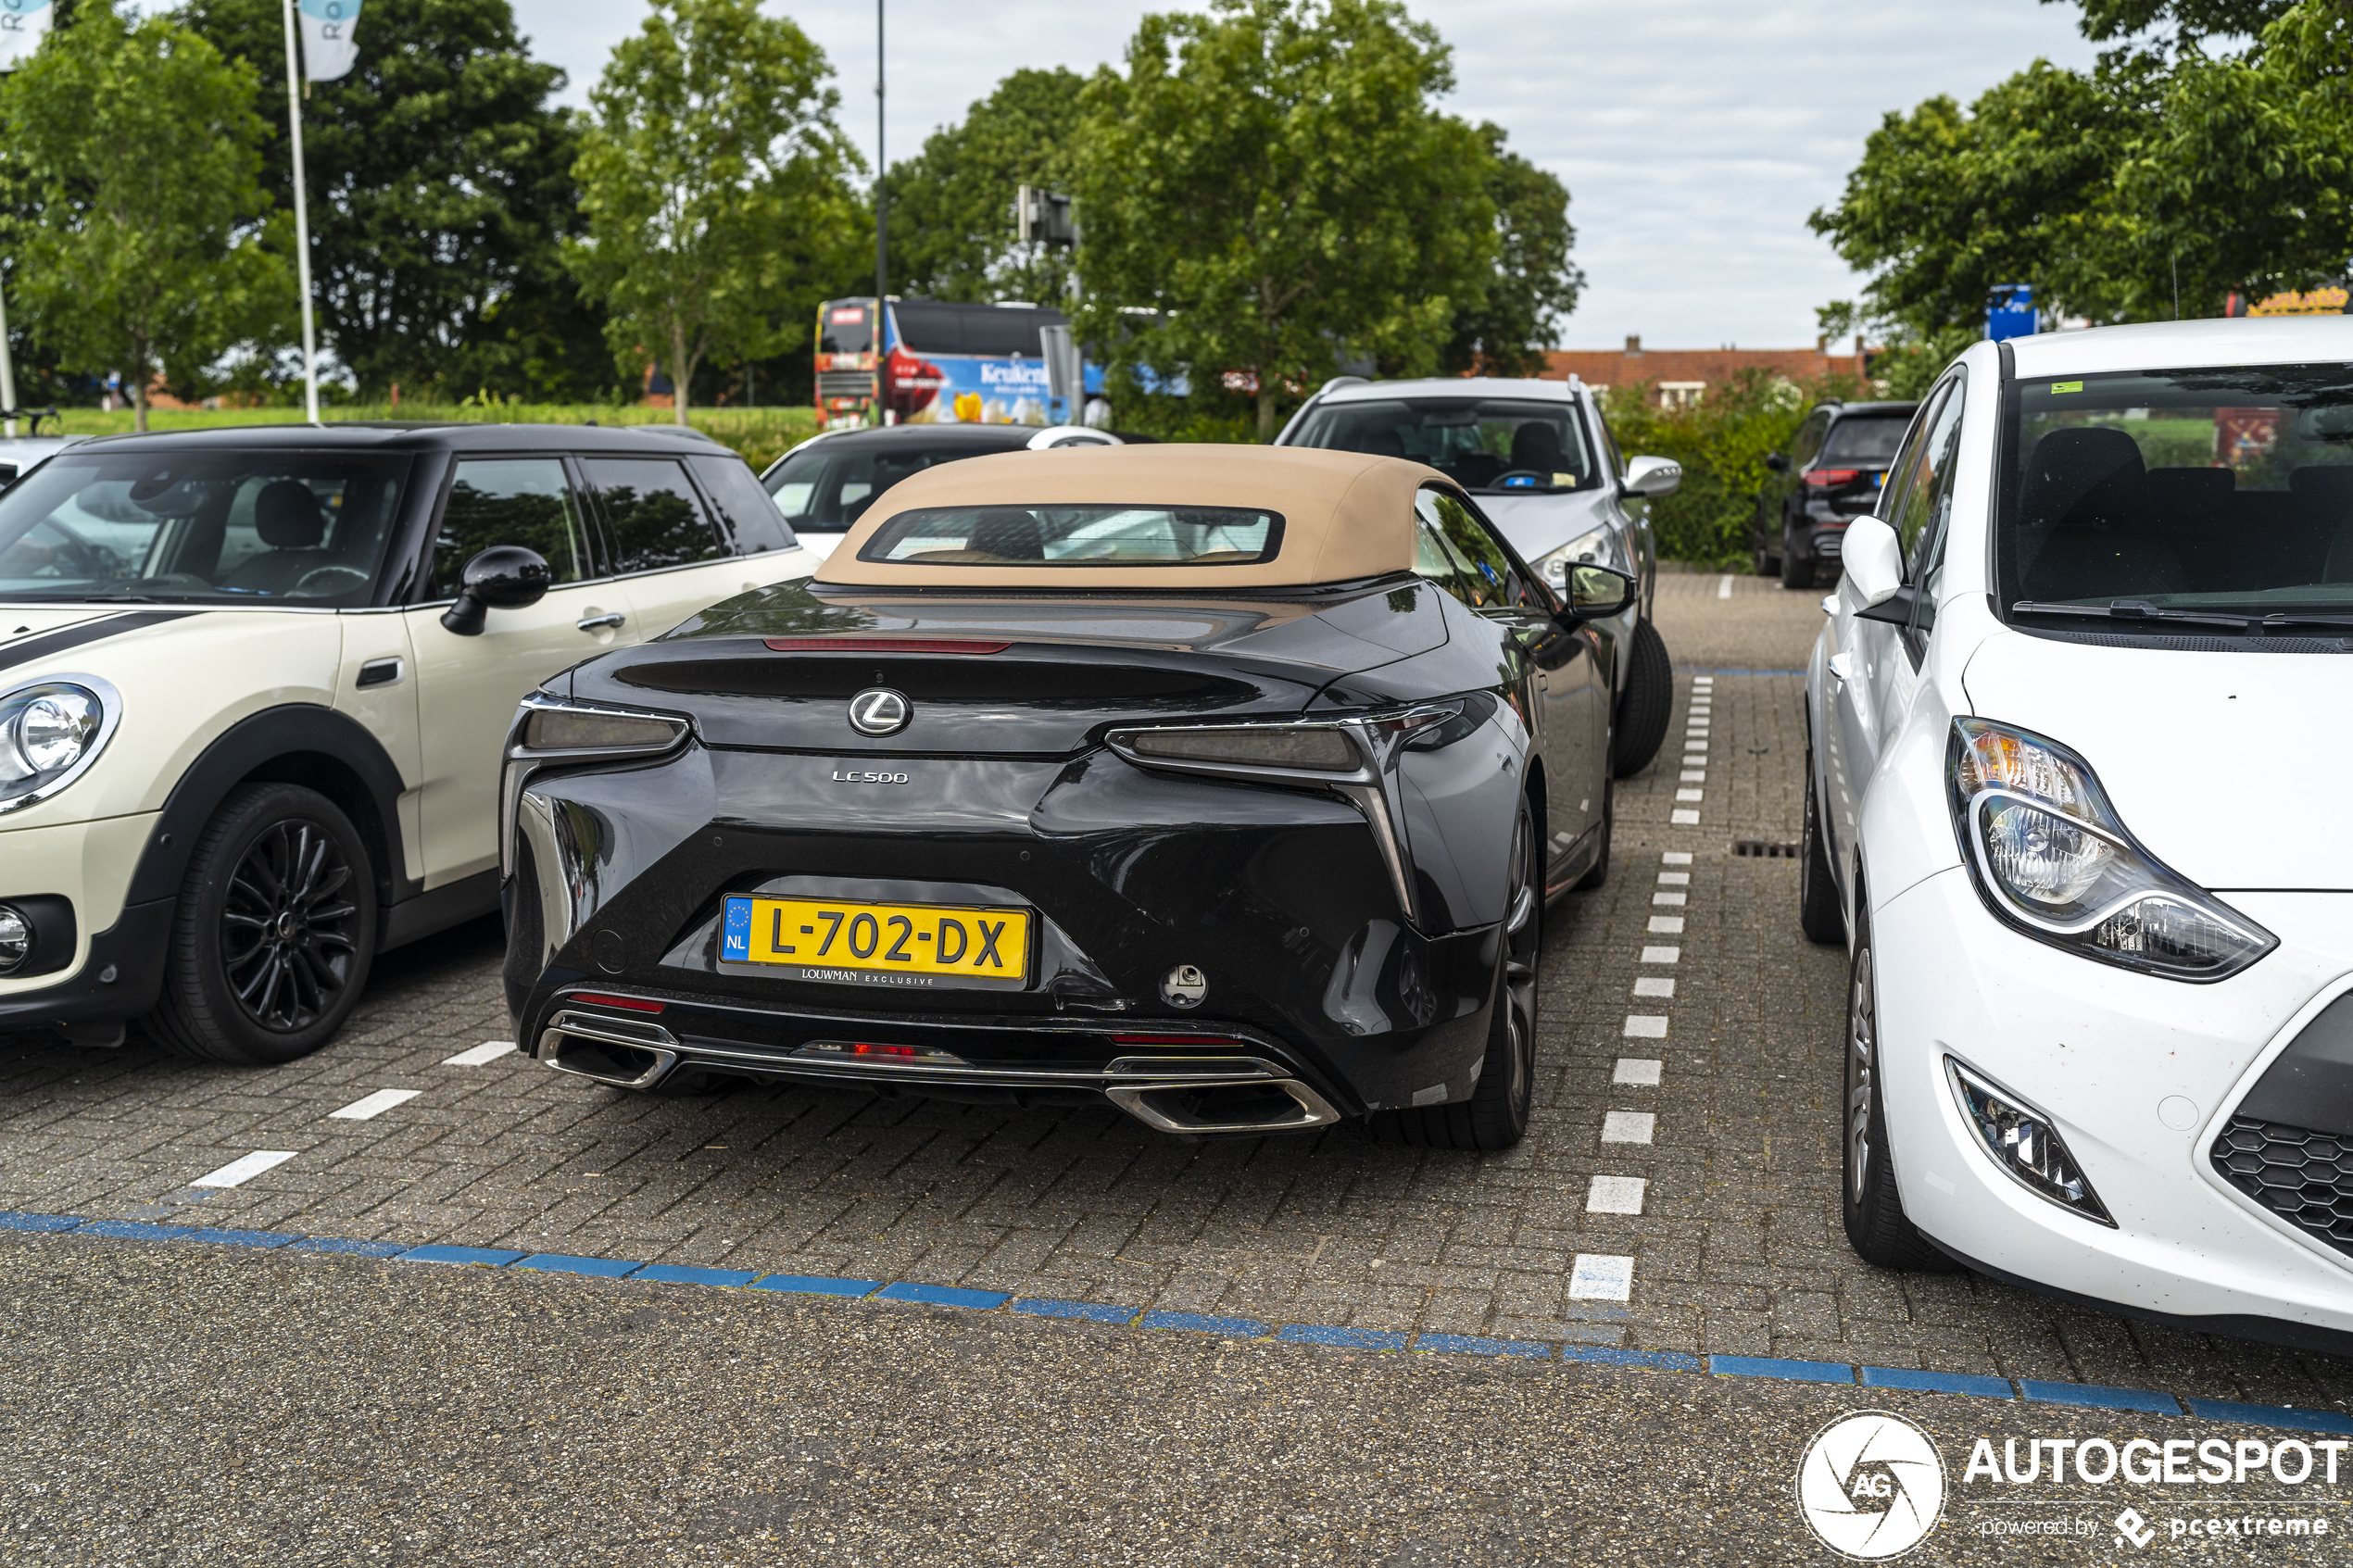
[(242, 1239), (1345, 1338), (558, 1264), (1936, 1382), (817, 1285), (1472, 1345), (2093, 1396), (349, 1249), (1198, 1322), (1666, 1360), (1092, 1311), (2273, 1415), (495, 1256), (40, 1222), (1788, 1371), (132, 1230), (945, 1296), (672, 1273)]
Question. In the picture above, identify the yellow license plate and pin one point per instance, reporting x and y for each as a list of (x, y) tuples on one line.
[(837, 939)]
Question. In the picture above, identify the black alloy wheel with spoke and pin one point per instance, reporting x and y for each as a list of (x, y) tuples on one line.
[(1873, 1209), (275, 932), (1495, 1117)]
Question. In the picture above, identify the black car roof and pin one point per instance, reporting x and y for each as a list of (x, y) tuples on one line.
[(418, 437), (1844, 409), (990, 438)]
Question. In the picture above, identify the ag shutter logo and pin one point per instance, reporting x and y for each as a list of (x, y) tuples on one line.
[(1872, 1486)]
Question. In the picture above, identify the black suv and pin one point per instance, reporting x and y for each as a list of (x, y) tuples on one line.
[(1830, 475)]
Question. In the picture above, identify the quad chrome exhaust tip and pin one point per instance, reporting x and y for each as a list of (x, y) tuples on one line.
[(619, 1051)]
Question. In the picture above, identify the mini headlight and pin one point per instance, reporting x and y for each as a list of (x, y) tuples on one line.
[(2052, 859), (49, 731), (1594, 548)]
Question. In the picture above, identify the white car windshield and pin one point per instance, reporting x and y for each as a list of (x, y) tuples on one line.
[(2223, 493), (216, 527), (1501, 446)]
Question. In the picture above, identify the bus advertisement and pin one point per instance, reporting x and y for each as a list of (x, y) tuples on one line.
[(938, 362)]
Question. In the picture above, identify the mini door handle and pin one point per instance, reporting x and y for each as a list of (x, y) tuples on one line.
[(596, 623), (1843, 666), (379, 672)]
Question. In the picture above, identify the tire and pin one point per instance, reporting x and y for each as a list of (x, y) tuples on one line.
[(1599, 874), (1495, 1117), (1648, 704), (1768, 563), (1796, 571), (1819, 913), (1873, 1209), (274, 933)]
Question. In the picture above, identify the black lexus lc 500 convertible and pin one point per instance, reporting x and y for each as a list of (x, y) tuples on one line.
[(1224, 784)]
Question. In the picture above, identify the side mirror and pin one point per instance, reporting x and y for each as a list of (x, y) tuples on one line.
[(1777, 461), (1872, 561), (1596, 593), (1652, 476), (502, 577)]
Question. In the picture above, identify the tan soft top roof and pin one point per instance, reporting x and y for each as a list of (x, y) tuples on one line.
[(1345, 515)]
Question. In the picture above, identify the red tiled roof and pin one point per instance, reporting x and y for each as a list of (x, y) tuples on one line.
[(1612, 366)]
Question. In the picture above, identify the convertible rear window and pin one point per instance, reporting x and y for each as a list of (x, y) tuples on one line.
[(1100, 535), (2224, 493)]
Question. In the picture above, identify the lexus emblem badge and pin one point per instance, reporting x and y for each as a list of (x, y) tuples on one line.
[(878, 711)]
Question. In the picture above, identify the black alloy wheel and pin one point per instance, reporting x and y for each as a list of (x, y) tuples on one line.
[(1819, 913), (1495, 1117), (1871, 1206), (275, 932), (1649, 703)]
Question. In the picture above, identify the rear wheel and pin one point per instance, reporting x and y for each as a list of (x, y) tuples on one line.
[(1797, 572), (1495, 1117), (1876, 1225), (275, 931), (1819, 913), (1647, 705)]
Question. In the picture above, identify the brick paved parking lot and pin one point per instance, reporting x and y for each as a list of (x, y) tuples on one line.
[(1678, 1190)]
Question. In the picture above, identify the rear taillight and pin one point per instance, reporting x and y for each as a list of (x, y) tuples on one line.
[(1824, 478), (879, 644)]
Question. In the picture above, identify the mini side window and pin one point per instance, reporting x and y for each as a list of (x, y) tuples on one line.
[(525, 501), (653, 516)]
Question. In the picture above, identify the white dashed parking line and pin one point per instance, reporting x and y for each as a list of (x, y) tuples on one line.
[(1662, 955), (1666, 926), (1615, 1195), (1637, 1071), (1597, 1278), (1628, 1126), (480, 1055), (1645, 1026), (1654, 985), (375, 1105), (245, 1167)]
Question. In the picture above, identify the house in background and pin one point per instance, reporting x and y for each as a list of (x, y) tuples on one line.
[(1680, 377)]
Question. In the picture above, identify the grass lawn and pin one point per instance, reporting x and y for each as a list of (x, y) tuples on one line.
[(760, 434)]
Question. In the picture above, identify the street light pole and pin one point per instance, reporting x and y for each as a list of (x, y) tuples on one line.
[(8, 374), (882, 197), (302, 225)]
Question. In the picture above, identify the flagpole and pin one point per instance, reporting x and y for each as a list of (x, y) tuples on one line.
[(302, 225)]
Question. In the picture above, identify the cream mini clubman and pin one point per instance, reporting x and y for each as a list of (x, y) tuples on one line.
[(254, 682)]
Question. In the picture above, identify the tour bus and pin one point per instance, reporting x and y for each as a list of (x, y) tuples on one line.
[(939, 362)]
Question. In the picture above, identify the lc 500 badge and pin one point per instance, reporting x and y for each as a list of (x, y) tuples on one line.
[(840, 777)]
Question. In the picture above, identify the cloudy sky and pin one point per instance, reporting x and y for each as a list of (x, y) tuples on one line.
[(1694, 135)]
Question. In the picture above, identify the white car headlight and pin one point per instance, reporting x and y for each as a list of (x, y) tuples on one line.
[(1596, 547), (2052, 859), (49, 732)]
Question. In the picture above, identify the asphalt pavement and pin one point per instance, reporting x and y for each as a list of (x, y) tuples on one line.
[(1613, 1344)]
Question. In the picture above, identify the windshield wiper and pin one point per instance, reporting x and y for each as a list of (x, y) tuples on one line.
[(2135, 610)]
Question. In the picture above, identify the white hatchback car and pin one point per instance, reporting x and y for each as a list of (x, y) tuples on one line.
[(254, 684), (2077, 722)]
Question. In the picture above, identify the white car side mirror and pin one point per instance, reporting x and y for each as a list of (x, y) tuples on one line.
[(1652, 476), (1872, 561)]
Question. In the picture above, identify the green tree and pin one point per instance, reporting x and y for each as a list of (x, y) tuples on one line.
[(1505, 330), (440, 187), (136, 145), (1273, 178), (714, 181), (951, 205)]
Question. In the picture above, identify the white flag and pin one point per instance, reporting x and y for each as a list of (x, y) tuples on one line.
[(328, 48), (23, 25)]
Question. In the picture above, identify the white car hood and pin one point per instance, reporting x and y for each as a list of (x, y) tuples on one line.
[(2229, 767), (1537, 524)]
